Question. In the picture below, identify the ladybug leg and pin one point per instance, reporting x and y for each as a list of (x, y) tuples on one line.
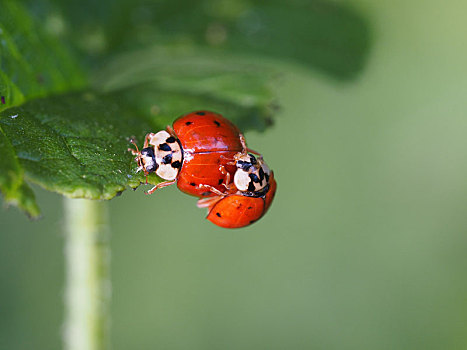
[(160, 185), (146, 139), (211, 189), (231, 160), (208, 202), (227, 176)]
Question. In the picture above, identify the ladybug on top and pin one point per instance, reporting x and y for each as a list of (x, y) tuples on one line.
[(202, 152)]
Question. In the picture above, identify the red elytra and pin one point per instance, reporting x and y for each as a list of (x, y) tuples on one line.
[(209, 141), (237, 210), (205, 131)]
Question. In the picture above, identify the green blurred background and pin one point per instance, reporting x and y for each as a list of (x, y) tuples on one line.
[(363, 248)]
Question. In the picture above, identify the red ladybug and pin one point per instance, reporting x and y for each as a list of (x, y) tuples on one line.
[(235, 209), (197, 151)]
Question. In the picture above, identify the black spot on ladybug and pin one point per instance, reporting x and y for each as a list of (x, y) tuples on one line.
[(200, 113), (217, 123), (254, 178), (219, 215), (192, 184), (250, 208), (148, 151), (243, 165), (167, 159), (261, 174), (220, 182), (176, 164), (164, 147), (171, 139), (188, 123)]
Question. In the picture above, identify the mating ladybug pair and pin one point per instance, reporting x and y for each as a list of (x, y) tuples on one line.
[(207, 156)]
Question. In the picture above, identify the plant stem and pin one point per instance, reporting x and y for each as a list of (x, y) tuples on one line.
[(88, 288)]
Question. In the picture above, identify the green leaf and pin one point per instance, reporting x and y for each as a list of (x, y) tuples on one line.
[(327, 36), (33, 62), (14, 189), (74, 144)]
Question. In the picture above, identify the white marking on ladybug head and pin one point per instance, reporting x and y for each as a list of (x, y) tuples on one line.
[(241, 180), (148, 162)]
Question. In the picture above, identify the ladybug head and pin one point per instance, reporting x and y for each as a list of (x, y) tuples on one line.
[(252, 173), (146, 160)]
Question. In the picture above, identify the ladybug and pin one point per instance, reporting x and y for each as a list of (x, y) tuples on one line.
[(245, 200), (235, 209), (196, 152)]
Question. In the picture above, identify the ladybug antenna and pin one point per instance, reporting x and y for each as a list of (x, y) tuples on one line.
[(138, 156), (134, 143), (243, 142), (245, 149)]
